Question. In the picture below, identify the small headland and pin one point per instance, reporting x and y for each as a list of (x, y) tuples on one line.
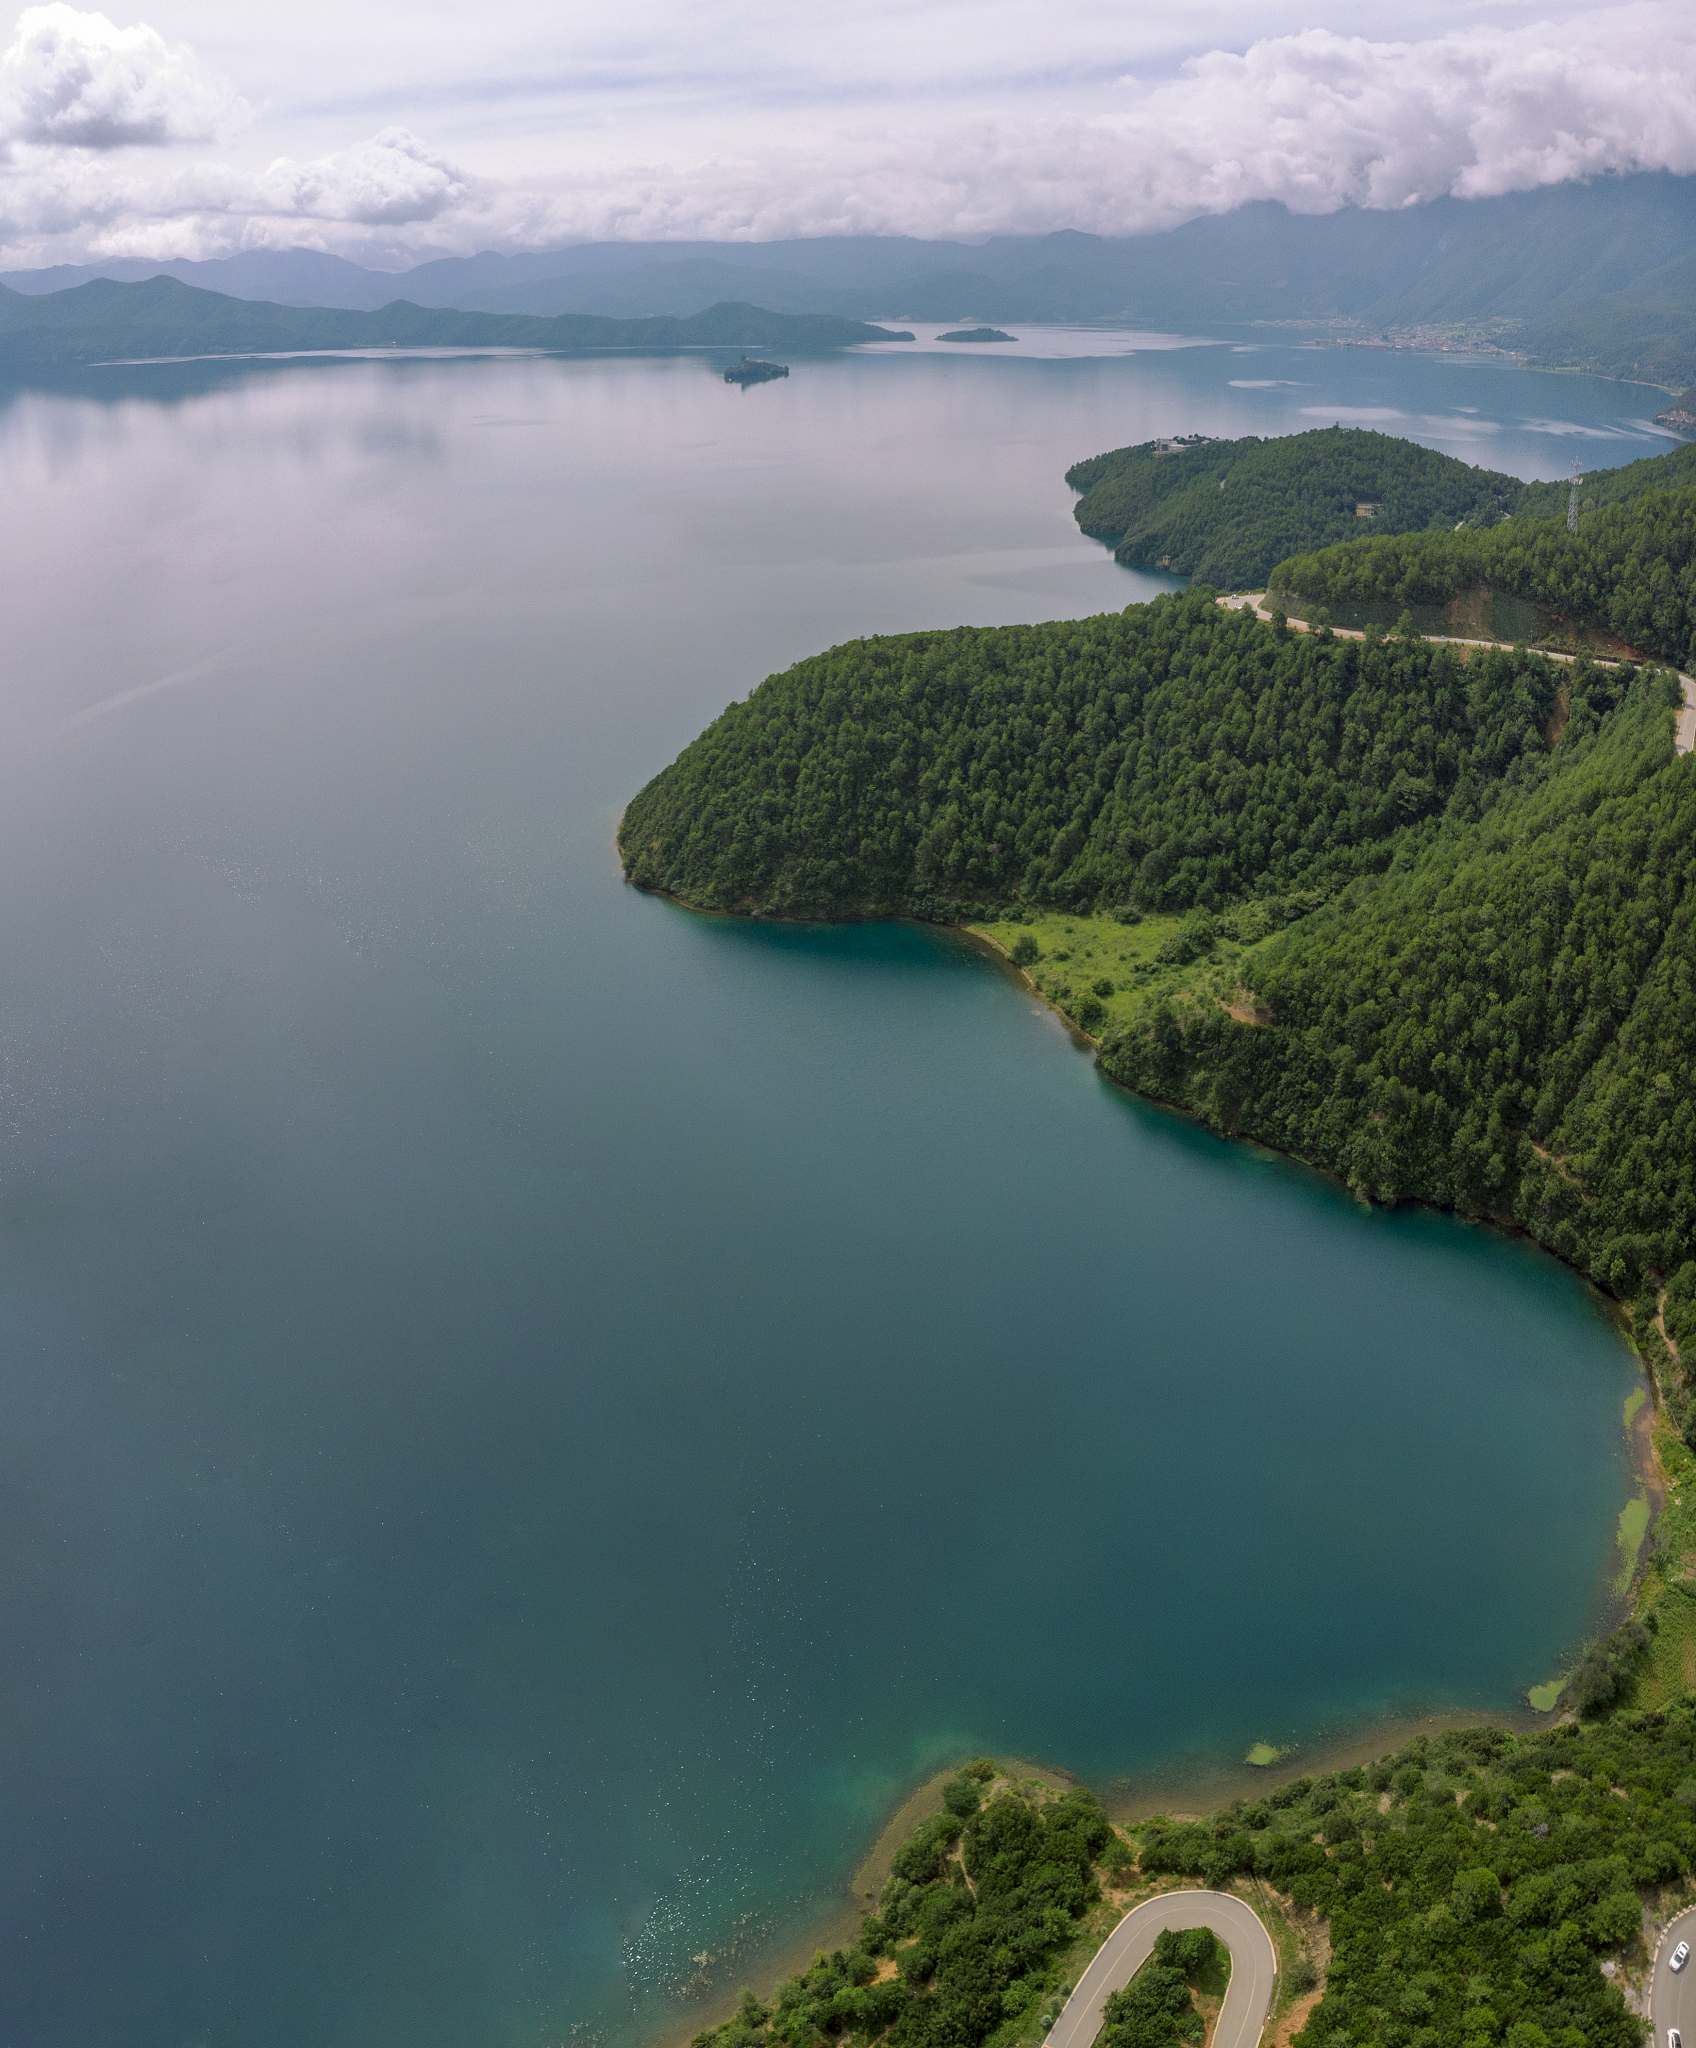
[(1436, 1879)]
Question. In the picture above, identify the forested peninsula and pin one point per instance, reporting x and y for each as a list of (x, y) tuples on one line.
[(1475, 1887), (1228, 512), (1419, 914)]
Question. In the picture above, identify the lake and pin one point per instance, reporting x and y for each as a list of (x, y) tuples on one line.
[(528, 1418)]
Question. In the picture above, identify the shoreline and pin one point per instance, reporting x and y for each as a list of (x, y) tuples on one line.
[(1187, 1787), (836, 1924), (1194, 1783), (985, 943), (1506, 1225)]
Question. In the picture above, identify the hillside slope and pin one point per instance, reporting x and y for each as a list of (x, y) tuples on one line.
[(1227, 511), (1503, 1022), (1630, 568), (1171, 755)]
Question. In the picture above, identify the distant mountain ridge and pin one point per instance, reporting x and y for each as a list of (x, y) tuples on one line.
[(160, 317), (1600, 275)]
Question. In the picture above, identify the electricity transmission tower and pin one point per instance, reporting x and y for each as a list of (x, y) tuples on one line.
[(1572, 500)]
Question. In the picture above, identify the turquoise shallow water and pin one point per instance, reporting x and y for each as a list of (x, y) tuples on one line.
[(527, 1416)]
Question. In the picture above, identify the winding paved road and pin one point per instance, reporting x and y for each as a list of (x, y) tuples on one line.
[(1254, 1966), (1672, 2000), (1684, 735)]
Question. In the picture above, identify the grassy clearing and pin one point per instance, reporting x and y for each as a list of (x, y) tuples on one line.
[(1669, 1668), (1668, 1591), (1123, 967), (1633, 1527)]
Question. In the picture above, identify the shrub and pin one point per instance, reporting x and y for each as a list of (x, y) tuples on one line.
[(1026, 951), (1616, 1918), (1607, 1670), (960, 1796), (1194, 938)]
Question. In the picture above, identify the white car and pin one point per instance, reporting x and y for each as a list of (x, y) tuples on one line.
[(1680, 1956), (1672, 2038)]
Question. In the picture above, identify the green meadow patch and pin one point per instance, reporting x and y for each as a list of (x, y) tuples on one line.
[(1101, 972)]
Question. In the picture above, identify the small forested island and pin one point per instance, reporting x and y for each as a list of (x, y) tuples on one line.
[(748, 371), (1476, 1887), (977, 334)]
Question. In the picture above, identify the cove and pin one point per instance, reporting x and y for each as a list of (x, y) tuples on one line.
[(529, 1417)]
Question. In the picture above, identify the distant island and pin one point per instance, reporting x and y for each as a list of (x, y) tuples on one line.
[(106, 322), (977, 334), (747, 371), (1482, 1886), (1417, 913)]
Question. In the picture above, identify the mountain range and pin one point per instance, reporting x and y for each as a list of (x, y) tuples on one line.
[(161, 317), (1599, 275)]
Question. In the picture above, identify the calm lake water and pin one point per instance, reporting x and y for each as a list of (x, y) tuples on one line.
[(528, 1417)]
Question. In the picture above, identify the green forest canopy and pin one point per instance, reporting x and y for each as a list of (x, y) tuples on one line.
[(1172, 754), (1630, 568), (1227, 512), (1473, 1884), (971, 1957), (1609, 486)]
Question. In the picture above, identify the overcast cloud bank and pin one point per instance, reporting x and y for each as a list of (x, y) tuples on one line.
[(114, 140)]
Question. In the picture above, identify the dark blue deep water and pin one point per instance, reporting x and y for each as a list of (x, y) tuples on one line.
[(528, 1417)]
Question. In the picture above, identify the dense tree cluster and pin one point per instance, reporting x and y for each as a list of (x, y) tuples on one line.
[(1227, 511), (1607, 1670), (1630, 568), (1156, 2009), (1472, 1882), (1504, 1022), (1668, 472), (974, 1911), (1176, 754)]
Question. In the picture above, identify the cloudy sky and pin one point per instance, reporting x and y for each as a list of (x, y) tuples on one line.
[(389, 132)]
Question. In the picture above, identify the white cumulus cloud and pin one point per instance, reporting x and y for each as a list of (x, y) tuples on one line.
[(387, 182), (75, 80), (1316, 118), (1322, 120)]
